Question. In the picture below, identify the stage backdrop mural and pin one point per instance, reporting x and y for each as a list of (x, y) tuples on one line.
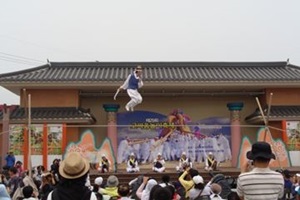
[(147, 133), (293, 140)]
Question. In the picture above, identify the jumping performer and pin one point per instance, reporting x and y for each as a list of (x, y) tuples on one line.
[(132, 84)]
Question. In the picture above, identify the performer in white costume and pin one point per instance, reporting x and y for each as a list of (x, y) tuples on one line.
[(210, 162), (159, 164), (132, 164), (104, 164), (184, 162), (132, 84)]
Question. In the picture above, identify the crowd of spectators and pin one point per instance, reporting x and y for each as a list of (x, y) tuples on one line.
[(69, 180)]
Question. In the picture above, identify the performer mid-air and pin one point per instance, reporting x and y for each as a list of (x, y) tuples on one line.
[(132, 84)]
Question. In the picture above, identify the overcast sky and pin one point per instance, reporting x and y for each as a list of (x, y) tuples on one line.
[(154, 30)]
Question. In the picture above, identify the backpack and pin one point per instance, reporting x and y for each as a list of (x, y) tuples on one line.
[(222, 181)]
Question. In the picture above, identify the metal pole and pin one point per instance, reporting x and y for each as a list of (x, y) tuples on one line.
[(29, 135)]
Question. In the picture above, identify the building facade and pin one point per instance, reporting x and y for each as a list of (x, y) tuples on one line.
[(68, 99)]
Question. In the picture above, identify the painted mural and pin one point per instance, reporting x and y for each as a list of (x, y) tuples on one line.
[(146, 134), (86, 146), (16, 139), (55, 139), (293, 134), (277, 145)]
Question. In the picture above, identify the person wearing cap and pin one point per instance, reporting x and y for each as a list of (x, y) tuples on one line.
[(73, 170), (104, 165), (159, 164), (261, 182), (184, 162), (132, 84), (210, 162), (199, 188), (132, 164), (111, 188)]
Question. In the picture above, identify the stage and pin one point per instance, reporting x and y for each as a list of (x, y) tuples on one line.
[(125, 178)]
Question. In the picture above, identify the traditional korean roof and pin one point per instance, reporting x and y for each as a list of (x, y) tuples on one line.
[(97, 72), (277, 113), (52, 115)]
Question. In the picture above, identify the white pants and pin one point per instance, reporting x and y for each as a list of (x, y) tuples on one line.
[(135, 96), (160, 170), (132, 169)]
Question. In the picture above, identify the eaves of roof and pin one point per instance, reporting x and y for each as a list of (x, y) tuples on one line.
[(277, 113), (52, 115), (93, 73)]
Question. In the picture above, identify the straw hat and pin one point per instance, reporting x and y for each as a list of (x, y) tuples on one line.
[(73, 166)]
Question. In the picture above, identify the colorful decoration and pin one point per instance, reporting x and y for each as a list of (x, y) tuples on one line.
[(277, 145), (86, 146)]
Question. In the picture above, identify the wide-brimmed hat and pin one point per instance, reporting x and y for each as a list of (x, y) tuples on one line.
[(260, 150), (112, 181), (73, 166)]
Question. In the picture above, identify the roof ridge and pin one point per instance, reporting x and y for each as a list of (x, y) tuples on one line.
[(24, 70), (171, 63)]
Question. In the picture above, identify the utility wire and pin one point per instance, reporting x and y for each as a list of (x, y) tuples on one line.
[(21, 57), (17, 61)]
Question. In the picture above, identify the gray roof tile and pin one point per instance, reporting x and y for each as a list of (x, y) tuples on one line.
[(52, 113), (157, 71), (277, 113)]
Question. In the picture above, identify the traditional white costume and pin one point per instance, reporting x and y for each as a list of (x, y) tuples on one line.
[(184, 161), (132, 164), (159, 164), (132, 84)]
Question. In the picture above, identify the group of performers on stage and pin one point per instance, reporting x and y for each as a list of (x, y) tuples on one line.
[(159, 163)]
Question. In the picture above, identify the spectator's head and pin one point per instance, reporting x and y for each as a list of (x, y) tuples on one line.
[(19, 163), (12, 171), (298, 178), (165, 178), (123, 190), (199, 182), (99, 181), (171, 189), (112, 181), (261, 153), (193, 172), (152, 191), (27, 191), (162, 194), (215, 188), (74, 166), (286, 174)]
